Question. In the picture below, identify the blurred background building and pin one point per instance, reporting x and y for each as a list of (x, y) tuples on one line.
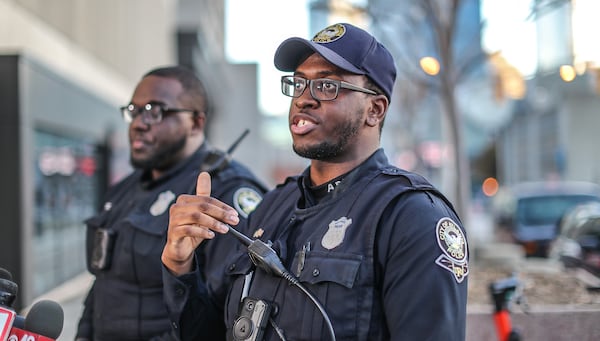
[(462, 111), (551, 134)]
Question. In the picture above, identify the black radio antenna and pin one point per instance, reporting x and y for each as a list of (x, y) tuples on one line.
[(236, 142), (217, 160)]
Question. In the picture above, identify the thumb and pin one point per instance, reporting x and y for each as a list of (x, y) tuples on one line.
[(203, 184)]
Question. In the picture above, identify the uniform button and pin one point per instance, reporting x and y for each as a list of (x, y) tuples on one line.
[(231, 267), (174, 325), (316, 272), (179, 291)]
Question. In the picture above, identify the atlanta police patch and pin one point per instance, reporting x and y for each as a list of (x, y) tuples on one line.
[(453, 243), (245, 200)]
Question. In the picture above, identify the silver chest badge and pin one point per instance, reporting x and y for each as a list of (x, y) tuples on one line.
[(162, 203), (336, 232)]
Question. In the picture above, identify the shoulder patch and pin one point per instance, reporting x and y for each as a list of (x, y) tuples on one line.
[(245, 200), (453, 243)]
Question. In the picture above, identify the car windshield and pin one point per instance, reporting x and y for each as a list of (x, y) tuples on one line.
[(591, 227), (547, 209)]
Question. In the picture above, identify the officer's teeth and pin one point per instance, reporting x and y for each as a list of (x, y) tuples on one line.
[(301, 123)]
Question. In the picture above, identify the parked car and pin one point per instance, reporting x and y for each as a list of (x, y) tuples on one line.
[(578, 240), (531, 211)]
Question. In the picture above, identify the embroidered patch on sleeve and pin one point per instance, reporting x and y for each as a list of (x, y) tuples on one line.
[(245, 200), (453, 243)]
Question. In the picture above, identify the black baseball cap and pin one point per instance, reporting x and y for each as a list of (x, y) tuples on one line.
[(347, 47)]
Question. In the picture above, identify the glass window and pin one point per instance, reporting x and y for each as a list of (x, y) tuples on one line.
[(68, 182), (547, 209)]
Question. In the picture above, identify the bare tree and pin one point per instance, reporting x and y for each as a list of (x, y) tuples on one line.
[(414, 28)]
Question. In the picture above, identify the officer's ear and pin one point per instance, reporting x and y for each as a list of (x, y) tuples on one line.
[(199, 121), (377, 109)]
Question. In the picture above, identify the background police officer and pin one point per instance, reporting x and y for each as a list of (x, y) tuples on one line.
[(166, 116)]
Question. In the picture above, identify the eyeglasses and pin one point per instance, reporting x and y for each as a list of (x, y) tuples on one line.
[(152, 113), (321, 89)]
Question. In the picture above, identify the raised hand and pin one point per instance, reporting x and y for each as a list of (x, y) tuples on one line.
[(192, 219)]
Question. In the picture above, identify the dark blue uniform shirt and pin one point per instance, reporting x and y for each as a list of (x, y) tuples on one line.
[(380, 248)]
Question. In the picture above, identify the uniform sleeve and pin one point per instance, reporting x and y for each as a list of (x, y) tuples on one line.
[(193, 314), (214, 256), (422, 268), (196, 300)]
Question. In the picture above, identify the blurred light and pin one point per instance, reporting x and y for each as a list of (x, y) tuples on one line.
[(431, 152), (430, 65), (580, 68), (407, 160), (490, 187), (57, 161), (584, 28), (87, 165), (507, 29), (567, 73), (509, 81)]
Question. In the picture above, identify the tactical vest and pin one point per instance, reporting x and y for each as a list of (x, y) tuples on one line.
[(333, 255)]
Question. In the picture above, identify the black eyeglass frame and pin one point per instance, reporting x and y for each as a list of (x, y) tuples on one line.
[(131, 111), (308, 83)]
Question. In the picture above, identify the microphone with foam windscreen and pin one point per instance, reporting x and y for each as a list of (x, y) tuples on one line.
[(8, 288), (44, 322), (45, 318), (8, 294)]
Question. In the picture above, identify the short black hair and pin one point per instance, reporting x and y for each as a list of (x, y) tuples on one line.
[(194, 89)]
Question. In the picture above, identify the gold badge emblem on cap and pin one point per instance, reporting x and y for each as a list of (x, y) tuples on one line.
[(162, 203), (452, 242), (330, 34)]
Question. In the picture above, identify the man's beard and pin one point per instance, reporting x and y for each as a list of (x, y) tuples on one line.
[(328, 150), (162, 159)]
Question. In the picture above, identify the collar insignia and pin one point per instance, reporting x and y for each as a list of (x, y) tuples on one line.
[(453, 243), (258, 233), (162, 203), (336, 232), (331, 186)]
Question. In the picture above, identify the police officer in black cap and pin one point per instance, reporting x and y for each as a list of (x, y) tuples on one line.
[(351, 249)]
